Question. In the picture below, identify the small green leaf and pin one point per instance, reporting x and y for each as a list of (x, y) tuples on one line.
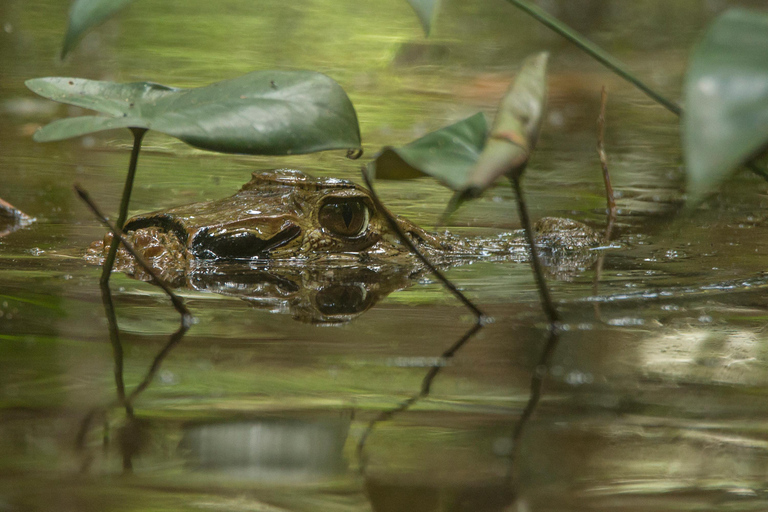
[(425, 10), (446, 154), (515, 129), (264, 112), (86, 14), (726, 118)]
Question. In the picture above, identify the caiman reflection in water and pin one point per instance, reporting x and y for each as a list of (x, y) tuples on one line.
[(316, 247)]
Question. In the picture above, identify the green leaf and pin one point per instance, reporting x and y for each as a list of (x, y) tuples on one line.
[(459, 155), (515, 129), (86, 14), (425, 10), (264, 112), (726, 89), (446, 154)]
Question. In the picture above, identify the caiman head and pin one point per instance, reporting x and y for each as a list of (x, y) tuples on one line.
[(280, 214)]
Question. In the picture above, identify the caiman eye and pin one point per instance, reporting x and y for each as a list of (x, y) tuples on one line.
[(346, 217)]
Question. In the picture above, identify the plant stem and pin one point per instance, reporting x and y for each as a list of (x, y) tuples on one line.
[(596, 52), (479, 315), (138, 135), (546, 300)]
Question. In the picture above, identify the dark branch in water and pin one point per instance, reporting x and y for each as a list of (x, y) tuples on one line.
[(426, 383), (479, 315), (186, 322), (178, 302)]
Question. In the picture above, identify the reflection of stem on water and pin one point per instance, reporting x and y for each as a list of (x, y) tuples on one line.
[(132, 428), (117, 347), (426, 386), (540, 372)]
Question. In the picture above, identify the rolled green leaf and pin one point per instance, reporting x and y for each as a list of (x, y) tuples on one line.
[(515, 129), (264, 112), (726, 100), (446, 154), (463, 156), (86, 14)]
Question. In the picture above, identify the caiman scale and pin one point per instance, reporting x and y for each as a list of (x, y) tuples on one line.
[(286, 215)]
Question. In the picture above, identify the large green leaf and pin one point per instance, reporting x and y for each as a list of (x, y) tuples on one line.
[(446, 154), (425, 10), (86, 14), (726, 99), (264, 112)]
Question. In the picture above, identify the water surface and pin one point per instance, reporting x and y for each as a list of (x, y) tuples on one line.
[(656, 393)]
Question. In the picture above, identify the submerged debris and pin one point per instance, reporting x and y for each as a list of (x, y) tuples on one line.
[(11, 218)]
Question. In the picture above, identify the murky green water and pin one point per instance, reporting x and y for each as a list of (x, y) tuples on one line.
[(656, 393)]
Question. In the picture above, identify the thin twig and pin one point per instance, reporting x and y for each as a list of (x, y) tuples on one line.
[(546, 300), (479, 315), (609, 195), (178, 302)]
